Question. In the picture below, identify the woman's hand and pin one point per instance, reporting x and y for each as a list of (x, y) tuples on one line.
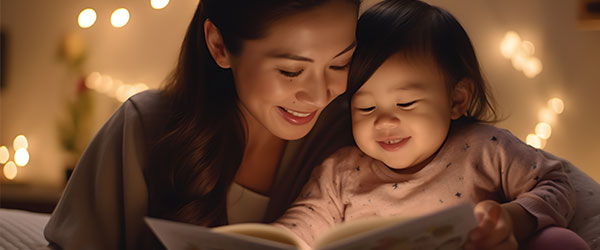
[(495, 230)]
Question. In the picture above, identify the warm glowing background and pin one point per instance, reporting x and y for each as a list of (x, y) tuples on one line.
[(37, 85)]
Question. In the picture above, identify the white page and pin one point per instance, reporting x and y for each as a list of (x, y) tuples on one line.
[(446, 229), (182, 236)]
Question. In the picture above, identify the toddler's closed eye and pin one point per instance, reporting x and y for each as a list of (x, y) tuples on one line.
[(406, 105)]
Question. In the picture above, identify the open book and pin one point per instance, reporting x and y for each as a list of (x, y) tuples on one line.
[(445, 229)]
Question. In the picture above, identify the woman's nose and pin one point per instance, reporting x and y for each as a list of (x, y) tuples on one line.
[(315, 92)]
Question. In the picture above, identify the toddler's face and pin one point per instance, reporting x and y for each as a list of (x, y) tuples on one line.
[(402, 114)]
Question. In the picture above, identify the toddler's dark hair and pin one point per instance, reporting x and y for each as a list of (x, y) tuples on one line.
[(418, 30)]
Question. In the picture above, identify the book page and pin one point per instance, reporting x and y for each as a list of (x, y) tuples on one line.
[(182, 236), (445, 229)]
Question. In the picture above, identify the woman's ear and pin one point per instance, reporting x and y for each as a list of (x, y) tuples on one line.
[(216, 46), (461, 98)]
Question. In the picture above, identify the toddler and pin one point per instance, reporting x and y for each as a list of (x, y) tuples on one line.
[(420, 119)]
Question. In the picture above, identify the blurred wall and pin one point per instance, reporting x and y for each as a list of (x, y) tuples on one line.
[(38, 85), (145, 50), (571, 70)]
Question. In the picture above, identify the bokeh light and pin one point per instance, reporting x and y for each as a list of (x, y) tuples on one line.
[(521, 53), (21, 157), (557, 105), (543, 130), (20, 142), (532, 67), (546, 115), (528, 48), (93, 80), (159, 4), (4, 154), (10, 170), (119, 18), (86, 18), (534, 141), (510, 44)]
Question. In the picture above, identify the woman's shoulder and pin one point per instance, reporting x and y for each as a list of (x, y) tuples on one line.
[(149, 102), (151, 109)]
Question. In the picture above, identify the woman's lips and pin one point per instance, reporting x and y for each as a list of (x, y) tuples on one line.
[(393, 144), (296, 117)]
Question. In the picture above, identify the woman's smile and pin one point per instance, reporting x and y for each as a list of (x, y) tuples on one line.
[(297, 117)]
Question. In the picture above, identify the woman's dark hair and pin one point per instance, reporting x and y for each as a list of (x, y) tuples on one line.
[(195, 159), (418, 30)]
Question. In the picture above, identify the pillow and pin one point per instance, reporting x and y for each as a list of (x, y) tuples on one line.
[(586, 221)]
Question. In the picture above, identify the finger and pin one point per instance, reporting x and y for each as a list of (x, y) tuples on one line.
[(509, 244), (494, 212), (486, 226), (498, 235), (487, 209)]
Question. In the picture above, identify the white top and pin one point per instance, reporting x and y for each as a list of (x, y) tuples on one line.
[(245, 205)]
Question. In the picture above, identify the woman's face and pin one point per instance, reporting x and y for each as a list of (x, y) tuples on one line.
[(285, 79)]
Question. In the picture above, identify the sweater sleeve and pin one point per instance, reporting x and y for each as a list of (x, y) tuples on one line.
[(537, 183), (319, 205), (105, 200)]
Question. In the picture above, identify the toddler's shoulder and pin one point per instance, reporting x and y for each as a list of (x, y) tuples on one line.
[(484, 131), (345, 158)]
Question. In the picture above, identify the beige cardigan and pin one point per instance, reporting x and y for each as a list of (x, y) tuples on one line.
[(106, 198)]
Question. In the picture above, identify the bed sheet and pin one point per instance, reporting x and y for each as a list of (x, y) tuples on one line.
[(20, 230)]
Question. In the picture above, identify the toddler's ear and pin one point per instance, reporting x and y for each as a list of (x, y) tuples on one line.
[(461, 98), (216, 46)]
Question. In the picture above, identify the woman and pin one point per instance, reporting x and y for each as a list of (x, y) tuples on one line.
[(211, 147)]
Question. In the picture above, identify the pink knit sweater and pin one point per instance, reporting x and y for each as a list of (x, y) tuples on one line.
[(477, 162)]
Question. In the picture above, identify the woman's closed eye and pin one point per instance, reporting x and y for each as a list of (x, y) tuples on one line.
[(343, 67), (291, 74), (406, 105)]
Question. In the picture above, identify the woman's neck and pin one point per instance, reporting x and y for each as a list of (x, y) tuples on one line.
[(262, 157)]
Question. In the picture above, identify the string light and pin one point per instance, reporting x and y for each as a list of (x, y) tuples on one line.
[(21, 157), (87, 18), (159, 4), (528, 48), (20, 141), (509, 44), (543, 130), (111, 87), (534, 141), (546, 115), (532, 67), (4, 155), (119, 18), (556, 105), (10, 170), (521, 54)]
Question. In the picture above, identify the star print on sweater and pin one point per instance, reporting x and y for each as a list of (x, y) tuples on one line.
[(349, 185)]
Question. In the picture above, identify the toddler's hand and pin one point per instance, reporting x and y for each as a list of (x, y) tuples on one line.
[(495, 230)]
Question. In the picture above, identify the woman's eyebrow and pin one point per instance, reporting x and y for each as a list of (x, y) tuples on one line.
[(292, 57), (306, 59), (346, 49)]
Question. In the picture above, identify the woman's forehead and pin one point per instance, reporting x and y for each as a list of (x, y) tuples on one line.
[(326, 30)]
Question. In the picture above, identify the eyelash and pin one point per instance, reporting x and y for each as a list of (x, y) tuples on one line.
[(344, 67), (367, 109), (291, 74), (402, 105), (405, 105), (297, 73)]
